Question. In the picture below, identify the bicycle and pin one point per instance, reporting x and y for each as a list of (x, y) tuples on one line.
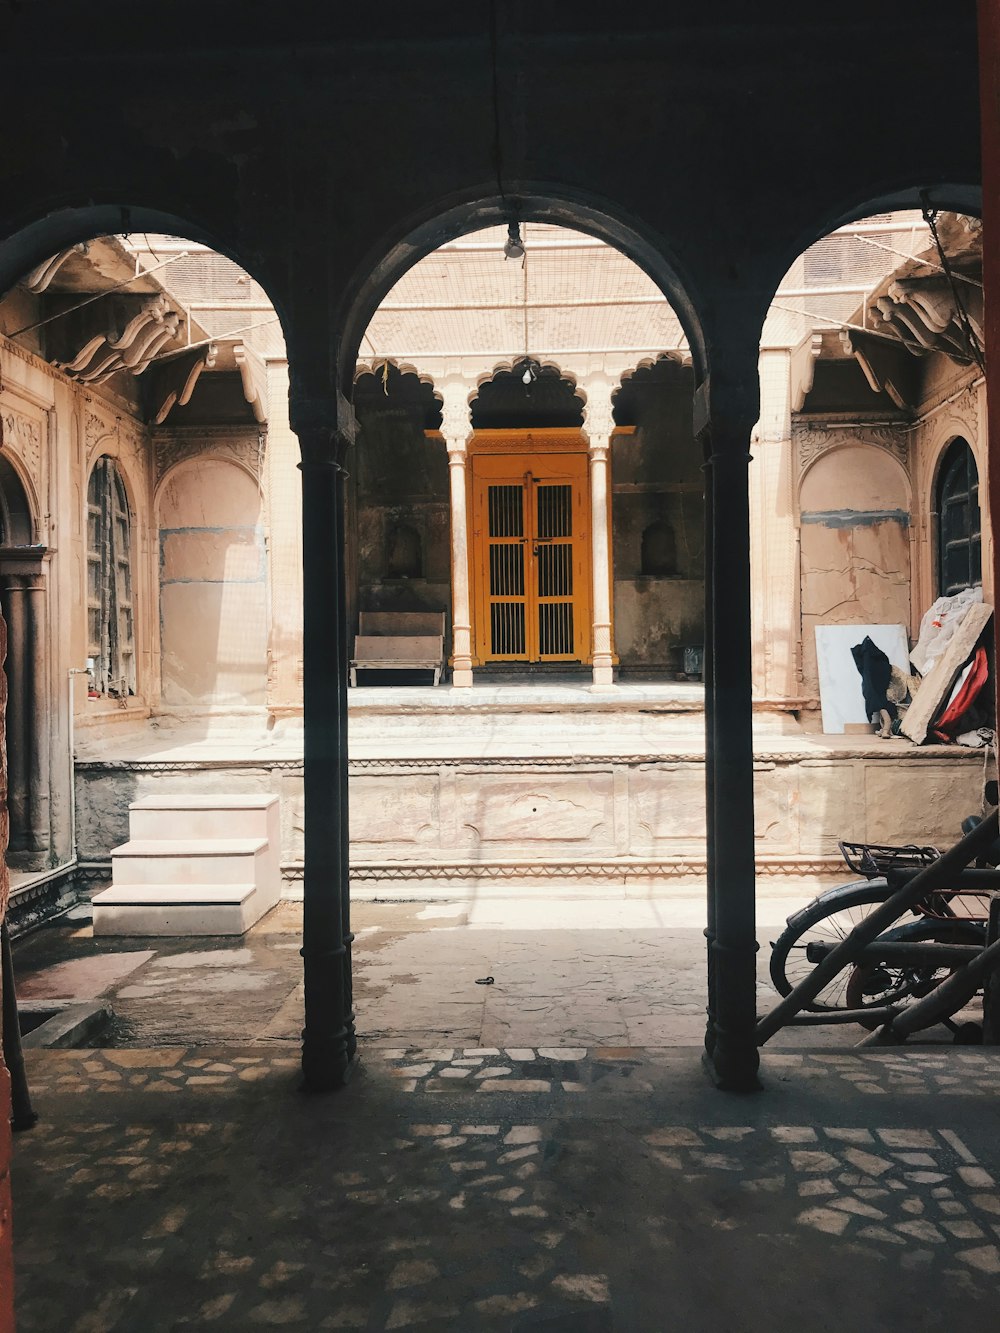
[(905, 962)]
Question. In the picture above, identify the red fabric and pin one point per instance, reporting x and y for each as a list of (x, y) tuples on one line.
[(947, 727)]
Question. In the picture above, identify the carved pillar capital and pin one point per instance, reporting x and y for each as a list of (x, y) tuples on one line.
[(326, 427), (598, 411), (456, 413)]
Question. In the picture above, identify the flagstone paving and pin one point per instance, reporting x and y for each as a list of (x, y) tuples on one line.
[(539, 1188)]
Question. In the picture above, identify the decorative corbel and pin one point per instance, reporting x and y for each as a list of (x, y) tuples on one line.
[(253, 374)]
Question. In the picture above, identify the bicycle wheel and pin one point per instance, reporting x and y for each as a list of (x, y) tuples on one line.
[(872, 982), (826, 920), (867, 985)]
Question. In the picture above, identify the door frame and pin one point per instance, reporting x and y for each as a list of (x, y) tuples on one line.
[(521, 441)]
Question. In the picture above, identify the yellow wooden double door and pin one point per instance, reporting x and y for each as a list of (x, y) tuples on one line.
[(530, 556)]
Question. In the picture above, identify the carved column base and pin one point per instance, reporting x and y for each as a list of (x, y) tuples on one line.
[(603, 671)]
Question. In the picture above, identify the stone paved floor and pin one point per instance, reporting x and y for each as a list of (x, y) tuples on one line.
[(464, 1189), (541, 1154), (586, 972)]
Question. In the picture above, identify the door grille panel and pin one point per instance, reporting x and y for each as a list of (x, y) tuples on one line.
[(555, 511), (507, 629), (506, 569), (555, 571), (555, 629), (506, 510)]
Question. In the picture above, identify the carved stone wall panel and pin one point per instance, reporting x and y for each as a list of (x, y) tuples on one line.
[(537, 809), (776, 810), (831, 805), (99, 428), (667, 807), (394, 810), (920, 802)]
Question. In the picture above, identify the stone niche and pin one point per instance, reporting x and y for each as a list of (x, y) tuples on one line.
[(854, 545), (399, 503), (657, 521), (213, 587)]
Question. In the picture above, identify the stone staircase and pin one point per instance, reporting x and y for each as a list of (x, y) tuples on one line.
[(193, 865)]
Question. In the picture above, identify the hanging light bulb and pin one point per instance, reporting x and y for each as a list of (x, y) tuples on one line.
[(530, 373), (513, 246)]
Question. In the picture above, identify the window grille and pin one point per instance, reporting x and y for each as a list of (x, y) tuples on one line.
[(110, 615), (959, 521)]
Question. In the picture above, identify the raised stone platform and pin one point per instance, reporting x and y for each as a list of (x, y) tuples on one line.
[(541, 789)]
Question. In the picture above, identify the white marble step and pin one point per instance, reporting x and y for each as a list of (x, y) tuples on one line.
[(190, 909), (188, 861), (214, 817), (174, 894)]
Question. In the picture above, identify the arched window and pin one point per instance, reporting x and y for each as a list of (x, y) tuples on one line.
[(960, 562), (110, 619)]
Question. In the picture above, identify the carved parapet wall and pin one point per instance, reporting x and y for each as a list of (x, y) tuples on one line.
[(613, 824)]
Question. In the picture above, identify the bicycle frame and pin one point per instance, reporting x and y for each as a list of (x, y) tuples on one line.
[(910, 886)]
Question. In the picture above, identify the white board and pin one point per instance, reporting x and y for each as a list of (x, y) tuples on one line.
[(840, 696)]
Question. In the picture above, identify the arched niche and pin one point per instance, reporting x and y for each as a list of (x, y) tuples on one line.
[(398, 495), (404, 553), (658, 554), (16, 521), (213, 586), (854, 511)]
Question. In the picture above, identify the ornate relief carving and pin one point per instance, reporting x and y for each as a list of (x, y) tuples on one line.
[(24, 436), (96, 430), (963, 413), (598, 410), (811, 441), (456, 412), (243, 447)]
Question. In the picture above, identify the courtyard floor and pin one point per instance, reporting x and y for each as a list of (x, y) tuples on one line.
[(543, 1153)]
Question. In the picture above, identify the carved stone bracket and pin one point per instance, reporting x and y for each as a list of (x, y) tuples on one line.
[(177, 379), (253, 373), (144, 335)]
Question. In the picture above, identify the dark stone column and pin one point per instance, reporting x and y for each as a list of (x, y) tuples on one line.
[(325, 428), (22, 595), (989, 86), (728, 413)]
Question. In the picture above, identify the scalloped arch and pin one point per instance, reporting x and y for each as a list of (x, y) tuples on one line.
[(507, 367), (373, 366)]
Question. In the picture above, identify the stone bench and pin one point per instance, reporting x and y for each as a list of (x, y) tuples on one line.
[(399, 641)]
